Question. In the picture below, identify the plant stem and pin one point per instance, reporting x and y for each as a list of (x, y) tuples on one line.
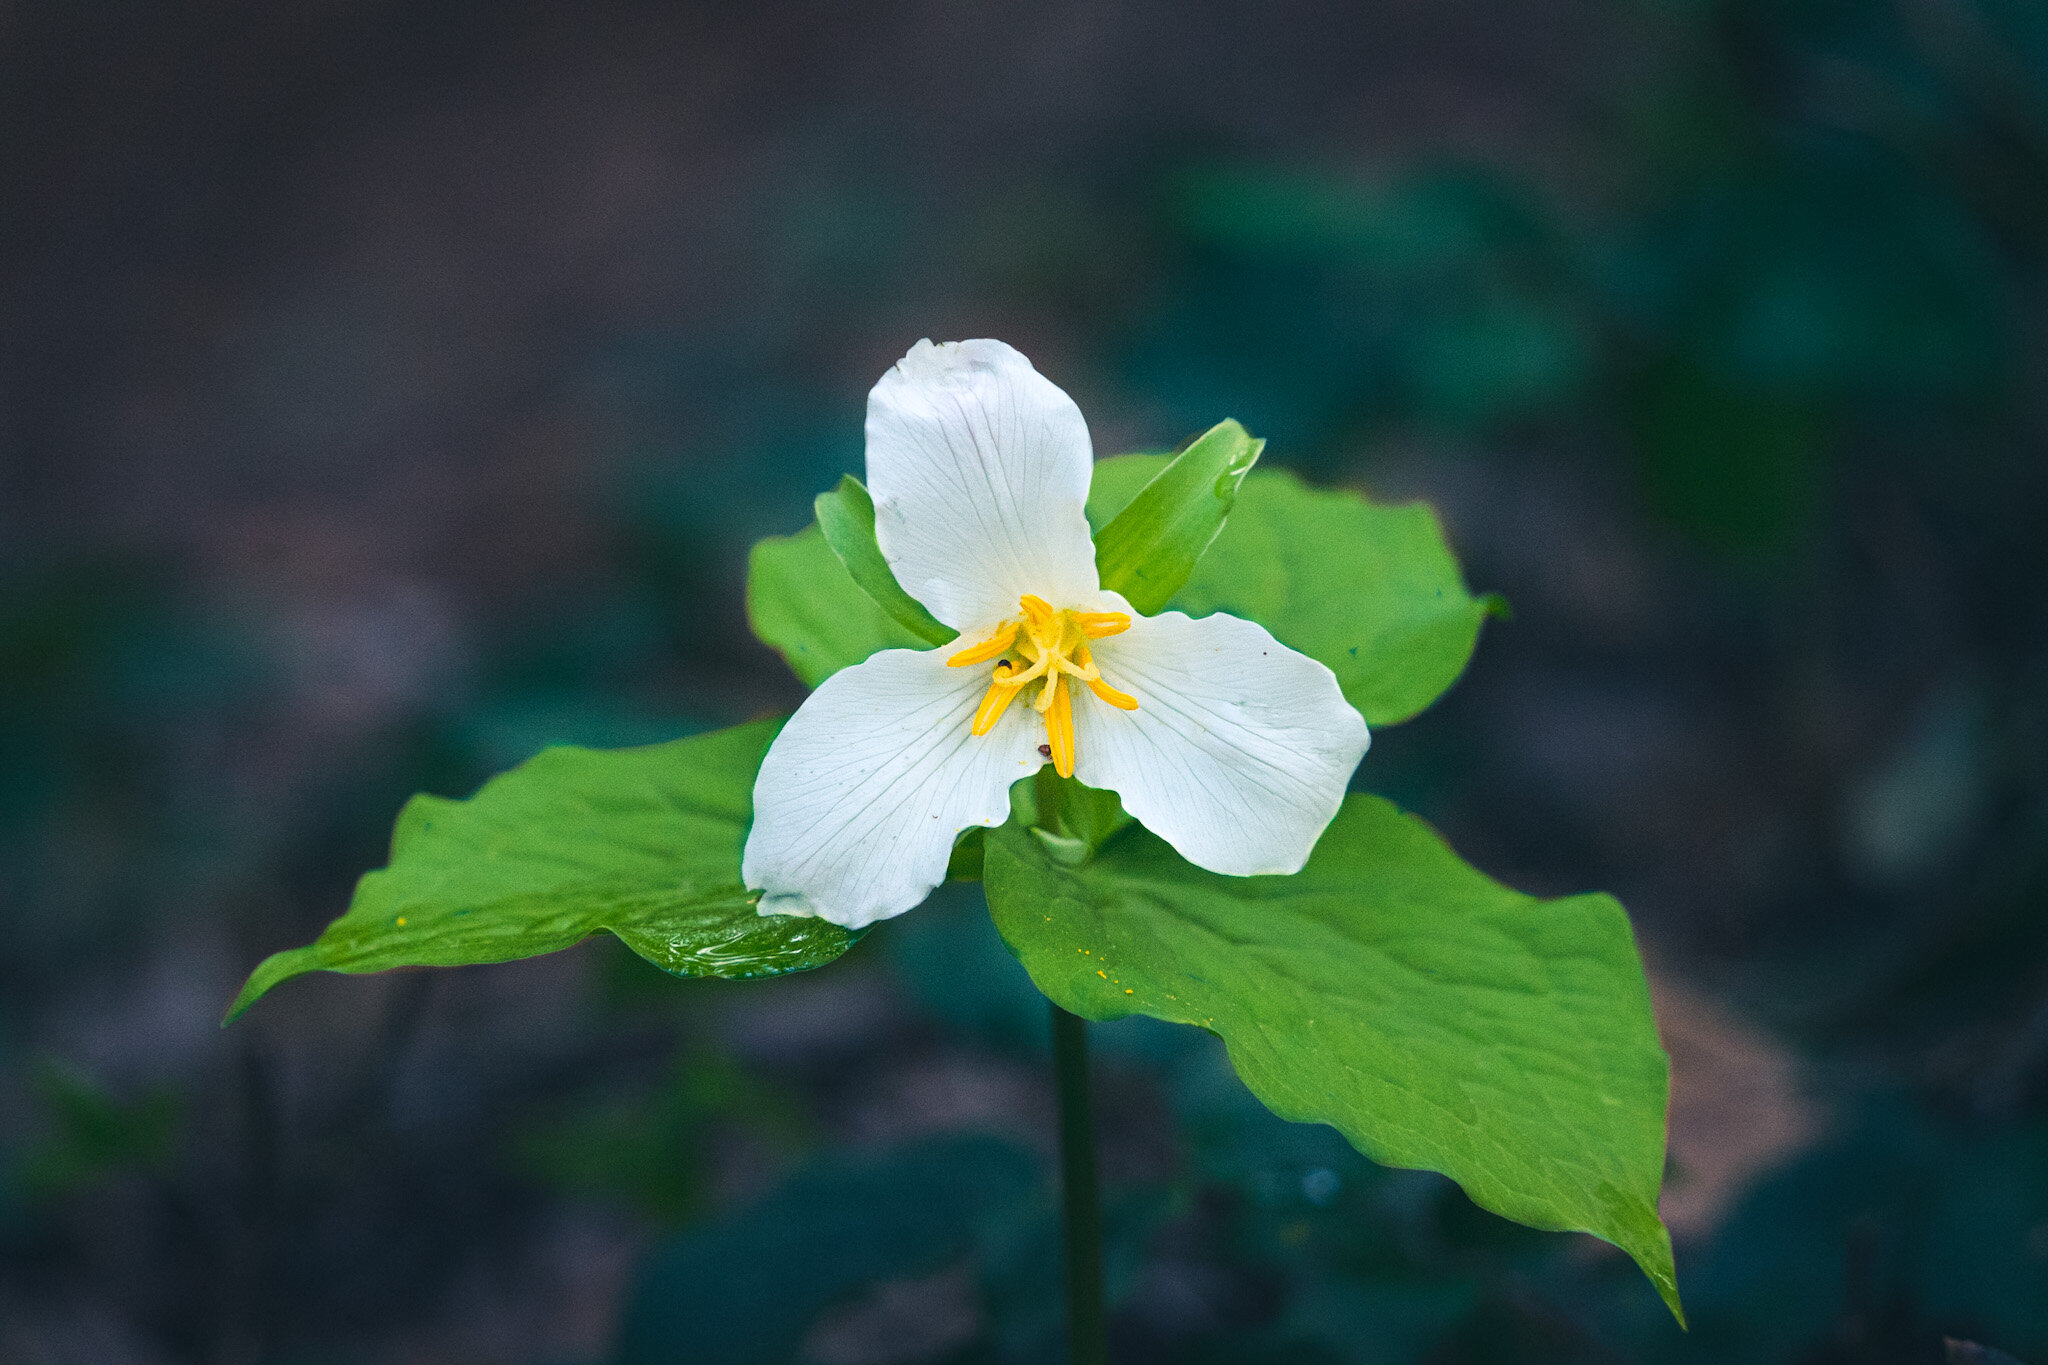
[(1087, 1337)]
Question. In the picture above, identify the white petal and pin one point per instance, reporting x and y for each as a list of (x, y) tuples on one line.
[(861, 795), (979, 467), (1240, 749)]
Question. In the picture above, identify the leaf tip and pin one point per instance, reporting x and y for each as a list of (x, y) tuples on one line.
[(1655, 1260), (1667, 1290), (1238, 464), (246, 997), (271, 972)]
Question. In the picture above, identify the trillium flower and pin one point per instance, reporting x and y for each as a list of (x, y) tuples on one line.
[(1230, 746)]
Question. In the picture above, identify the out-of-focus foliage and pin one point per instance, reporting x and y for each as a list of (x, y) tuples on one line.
[(746, 1288), (647, 1148), (93, 1135), (1938, 1219)]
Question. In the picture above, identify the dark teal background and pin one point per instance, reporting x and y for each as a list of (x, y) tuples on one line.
[(389, 390)]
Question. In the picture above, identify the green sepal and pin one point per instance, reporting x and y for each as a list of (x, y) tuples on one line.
[(1437, 1019), (803, 603), (642, 843), (1064, 809), (1370, 590), (1149, 548), (1069, 821), (847, 517), (965, 863)]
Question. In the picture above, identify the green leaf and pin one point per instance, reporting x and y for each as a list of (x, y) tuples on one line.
[(644, 843), (1151, 546), (802, 602), (847, 517), (1370, 590), (1116, 480), (1434, 1017)]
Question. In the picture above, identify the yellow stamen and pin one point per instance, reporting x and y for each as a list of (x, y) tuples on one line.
[(997, 700), (1098, 624), (994, 646), (1123, 701), (1059, 727)]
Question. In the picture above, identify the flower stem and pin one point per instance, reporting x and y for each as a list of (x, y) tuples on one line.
[(1087, 1338)]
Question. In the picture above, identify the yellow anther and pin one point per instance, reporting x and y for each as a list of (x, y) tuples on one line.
[(1088, 673), (1123, 701), (1059, 728), (994, 646), (997, 700), (1098, 624), (1044, 621)]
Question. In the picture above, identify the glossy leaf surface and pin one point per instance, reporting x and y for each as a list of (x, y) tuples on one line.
[(1437, 1019), (643, 843)]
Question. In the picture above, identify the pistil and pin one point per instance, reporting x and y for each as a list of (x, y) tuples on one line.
[(1053, 647)]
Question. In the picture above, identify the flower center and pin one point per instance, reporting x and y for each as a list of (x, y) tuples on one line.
[(1050, 645)]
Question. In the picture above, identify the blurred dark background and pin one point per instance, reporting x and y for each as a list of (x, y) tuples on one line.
[(388, 390)]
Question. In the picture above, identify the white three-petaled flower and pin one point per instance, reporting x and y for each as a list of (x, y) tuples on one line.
[(1224, 742)]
